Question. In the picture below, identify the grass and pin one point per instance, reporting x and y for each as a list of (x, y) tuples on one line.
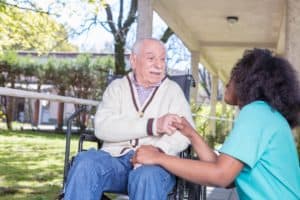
[(31, 164)]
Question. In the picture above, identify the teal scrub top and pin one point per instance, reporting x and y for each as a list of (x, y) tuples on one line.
[(262, 139)]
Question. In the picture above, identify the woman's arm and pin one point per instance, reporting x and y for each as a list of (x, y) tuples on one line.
[(204, 152), (221, 172)]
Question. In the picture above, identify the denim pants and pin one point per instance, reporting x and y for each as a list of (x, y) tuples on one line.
[(94, 172)]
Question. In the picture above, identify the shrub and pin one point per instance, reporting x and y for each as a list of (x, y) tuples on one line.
[(223, 123)]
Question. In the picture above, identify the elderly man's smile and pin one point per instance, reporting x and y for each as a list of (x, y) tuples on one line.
[(156, 73)]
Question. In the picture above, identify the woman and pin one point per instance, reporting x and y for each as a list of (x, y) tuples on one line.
[(259, 155)]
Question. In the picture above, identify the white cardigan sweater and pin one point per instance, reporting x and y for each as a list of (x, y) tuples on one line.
[(119, 123)]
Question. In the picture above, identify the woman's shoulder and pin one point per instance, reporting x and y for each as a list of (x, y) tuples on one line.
[(256, 106), (262, 111)]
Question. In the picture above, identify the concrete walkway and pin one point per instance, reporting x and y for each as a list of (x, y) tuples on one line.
[(221, 194), (211, 194)]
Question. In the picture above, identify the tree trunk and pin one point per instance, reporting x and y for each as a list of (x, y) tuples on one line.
[(9, 111), (60, 116), (10, 101), (60, 112), (83, 121), (37, 108), (36, 112), (119, 56)]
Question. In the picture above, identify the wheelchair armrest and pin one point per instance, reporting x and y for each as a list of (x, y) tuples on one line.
[(90, 138), (187, 153), (68, 140)]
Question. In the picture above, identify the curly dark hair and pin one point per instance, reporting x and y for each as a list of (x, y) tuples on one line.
[(259, 75)]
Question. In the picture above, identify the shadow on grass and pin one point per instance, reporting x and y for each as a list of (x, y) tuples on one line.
[(31, 164), (7, 191), (27, 192), (32, 134)]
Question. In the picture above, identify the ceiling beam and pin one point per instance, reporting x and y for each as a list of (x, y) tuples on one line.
[(181, 30), (207, 64), (280, 49), (270, 45), (223, 75)]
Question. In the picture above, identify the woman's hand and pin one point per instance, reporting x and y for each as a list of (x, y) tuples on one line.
[(185, 128), (146, 154), (165, 124)]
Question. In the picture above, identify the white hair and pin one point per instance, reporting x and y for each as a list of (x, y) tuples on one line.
[(137, 45)]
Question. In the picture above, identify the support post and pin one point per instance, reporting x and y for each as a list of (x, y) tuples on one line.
[(145, 18)]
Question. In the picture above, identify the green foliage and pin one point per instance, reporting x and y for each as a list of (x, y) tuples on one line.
[(10, 63), (222, 126), (85, 77), (57, 73), (28, 30), (2, 115), (13, 67)]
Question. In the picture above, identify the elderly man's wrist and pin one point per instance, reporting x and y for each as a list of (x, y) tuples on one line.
[(150, 127)]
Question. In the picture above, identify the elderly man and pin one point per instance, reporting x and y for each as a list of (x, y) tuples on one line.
[(135, 111)]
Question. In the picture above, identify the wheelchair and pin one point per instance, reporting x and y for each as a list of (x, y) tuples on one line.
[(183, 189)]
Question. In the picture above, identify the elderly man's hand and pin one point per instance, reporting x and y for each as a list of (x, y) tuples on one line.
[(165, 124), (146, 154)]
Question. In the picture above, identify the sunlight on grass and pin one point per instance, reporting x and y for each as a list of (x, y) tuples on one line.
[(31, 164)]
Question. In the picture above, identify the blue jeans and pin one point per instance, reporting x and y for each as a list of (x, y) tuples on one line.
[(94, 172)]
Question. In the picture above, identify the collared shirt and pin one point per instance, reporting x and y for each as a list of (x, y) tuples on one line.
[(143, 92)]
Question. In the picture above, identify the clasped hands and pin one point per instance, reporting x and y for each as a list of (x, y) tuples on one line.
[(169, 123), (166, 124)]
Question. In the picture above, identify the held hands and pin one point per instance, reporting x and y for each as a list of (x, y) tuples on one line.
[(185, 128), (146, 154), (165, 124), (169, 123)]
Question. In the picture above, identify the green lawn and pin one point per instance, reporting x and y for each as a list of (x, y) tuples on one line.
[(31, 164)]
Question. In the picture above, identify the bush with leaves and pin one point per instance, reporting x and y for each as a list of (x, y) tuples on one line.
[(85, 77), (223, 123)]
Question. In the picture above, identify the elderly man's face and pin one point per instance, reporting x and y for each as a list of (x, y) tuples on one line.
[(149, 63)]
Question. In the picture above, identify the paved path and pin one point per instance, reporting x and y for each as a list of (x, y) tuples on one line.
[(211, 194), (221, 194)]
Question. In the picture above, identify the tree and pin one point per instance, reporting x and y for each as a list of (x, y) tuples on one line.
[(118, 21), (119, 29), (27, 29), (205, 80), (88, 78), (30, 30), (12, 68)]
